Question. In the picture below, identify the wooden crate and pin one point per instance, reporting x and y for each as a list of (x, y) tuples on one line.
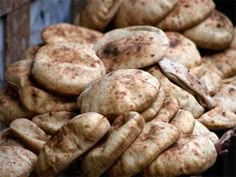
[(16, 23)]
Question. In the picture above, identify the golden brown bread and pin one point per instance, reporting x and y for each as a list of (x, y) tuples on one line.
[(152, 111), (226, 97), (118, 92), (16, 161), (209, 75), (180, 75), (124, 130), (168, 110), (66, 68), (186, 100), (224, 61), (153, 140), (140, 12), (184, 122), (29, 133), (200, 129), (186, 14), (64, 32), (215, 32), (11, 107), (192, 154), (182, 50), (218, 118), (51, 122), (32, 96), (98, 13), (70, 142), (131, 47), (8, 139)]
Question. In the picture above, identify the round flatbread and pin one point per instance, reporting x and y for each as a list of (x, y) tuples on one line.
[(218, 118), (64, 32), (71, 141), (186, 100), (181, 76), (216, 32), (168, 111), (192, 154), (29, 133), (120, 91), (200, 129), (233, 43), (182, 50), (131, 47), (66, 68), (156, 137), (16, 161), (187, 13), (52, 122), (11, 107), (98, 13), (140, 12), (8, 139), (152, 111), (226, 97), (224, 62), (124, 130), (33, 97), (29, 54), (184, 122), (209, 75)]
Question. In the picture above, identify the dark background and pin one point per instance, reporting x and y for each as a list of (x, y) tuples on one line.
[(228, 7)]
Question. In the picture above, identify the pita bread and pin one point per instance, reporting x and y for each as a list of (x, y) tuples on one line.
[(51, 122), (226, 97), (215, 32), (29, 133), (98, 13), (210, 76), (8, 139), (231, 80), (224, 62), (125, 129), (154, 139), (168, 111), (131, 47), (180, 75), (200, 129), (140, 12), (182, 50), (64, 32), (33, 97), (66, 67), (16, 161), (185, 99), (184, 121), (11, 108), (150, 112), (192, 154), (187, 13), (118, 92), (71, 141), (218, 118), (233, 43), (29, 54)]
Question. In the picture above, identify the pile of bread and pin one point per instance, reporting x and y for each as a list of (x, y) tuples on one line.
[(132, 101)]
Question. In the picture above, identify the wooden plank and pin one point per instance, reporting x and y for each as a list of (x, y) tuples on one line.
[(76, 6), (7, 6), (16, 33)]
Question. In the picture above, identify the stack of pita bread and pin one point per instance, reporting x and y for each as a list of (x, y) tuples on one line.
[(131, 101)]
